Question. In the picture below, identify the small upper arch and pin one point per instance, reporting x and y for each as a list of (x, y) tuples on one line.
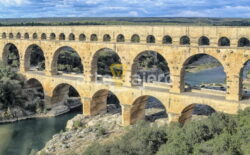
[(167, 40), (120, 38), (82, 37), (35, 36), (93, 37), (4, 36), (243, 42), (150, 39), (224, 41), (71, 36), (43, 36), (185, 40), (52, 36), (135, 38), (62, 36), (106, 38), (26, 36), (18, 35), (11, 35), (204, 41)]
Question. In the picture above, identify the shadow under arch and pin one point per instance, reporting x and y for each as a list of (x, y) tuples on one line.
[(34, 83), (34, 58), (10, 55), (156, 68), (102, 61), (35, 89), (105, 101), (66, 95), (244, 83), (147, 108), (74, 62), (195, 110), (193, 73)]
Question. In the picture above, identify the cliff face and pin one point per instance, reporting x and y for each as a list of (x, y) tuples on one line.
[(82, 131)]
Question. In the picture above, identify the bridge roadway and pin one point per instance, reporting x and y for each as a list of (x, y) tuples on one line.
[(132, 99)]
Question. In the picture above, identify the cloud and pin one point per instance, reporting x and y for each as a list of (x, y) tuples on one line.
[(127, 8), (13, 2)]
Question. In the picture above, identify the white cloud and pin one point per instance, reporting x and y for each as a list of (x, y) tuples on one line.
[(13, 2)]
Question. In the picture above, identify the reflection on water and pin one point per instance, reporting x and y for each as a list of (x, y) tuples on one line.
[(21, 137)]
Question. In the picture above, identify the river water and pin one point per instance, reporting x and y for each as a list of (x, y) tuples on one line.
[(21, 137)]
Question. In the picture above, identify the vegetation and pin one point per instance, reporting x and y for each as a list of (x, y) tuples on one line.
[(69, 61), (218, 134), (125, 21), (13, 94)]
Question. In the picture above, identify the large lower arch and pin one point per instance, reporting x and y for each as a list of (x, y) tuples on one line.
[(34, 58), (36, 95), (106, 62), (192, 110), (147, 108), (104, 101), (11, 56), (66, 95), (203, 71), (66, 60), (148, 67)]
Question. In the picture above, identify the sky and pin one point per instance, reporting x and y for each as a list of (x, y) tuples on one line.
[(124, 8)]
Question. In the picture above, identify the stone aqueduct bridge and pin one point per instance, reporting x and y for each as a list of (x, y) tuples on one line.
[(88, 40)]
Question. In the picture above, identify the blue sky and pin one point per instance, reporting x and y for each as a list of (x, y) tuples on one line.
[(124, 8)]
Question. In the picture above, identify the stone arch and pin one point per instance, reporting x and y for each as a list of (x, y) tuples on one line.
[(224, 41), (54, 64), (120, 38), (43, 36), (71, 36), (158, 62), (95, 59), (244, 81), (167, 40), (100, 101), (150, 39), (11, 36), (64, 94), (26, 36), (243, 42), (52, 36), (11, 55), (82, 37), (138, 112), (218, 63), (35, 36), (204, 41), (135, 38), (4, 36), (195, 109), (34, 57), (36, 96), (18, 35), (34, 83), (106, 38), (62, 36), (93, 37), (184, 40)]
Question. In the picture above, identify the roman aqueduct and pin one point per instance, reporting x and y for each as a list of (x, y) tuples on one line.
[(177, 44)]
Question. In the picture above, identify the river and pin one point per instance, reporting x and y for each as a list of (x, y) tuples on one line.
[(21, 137)]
